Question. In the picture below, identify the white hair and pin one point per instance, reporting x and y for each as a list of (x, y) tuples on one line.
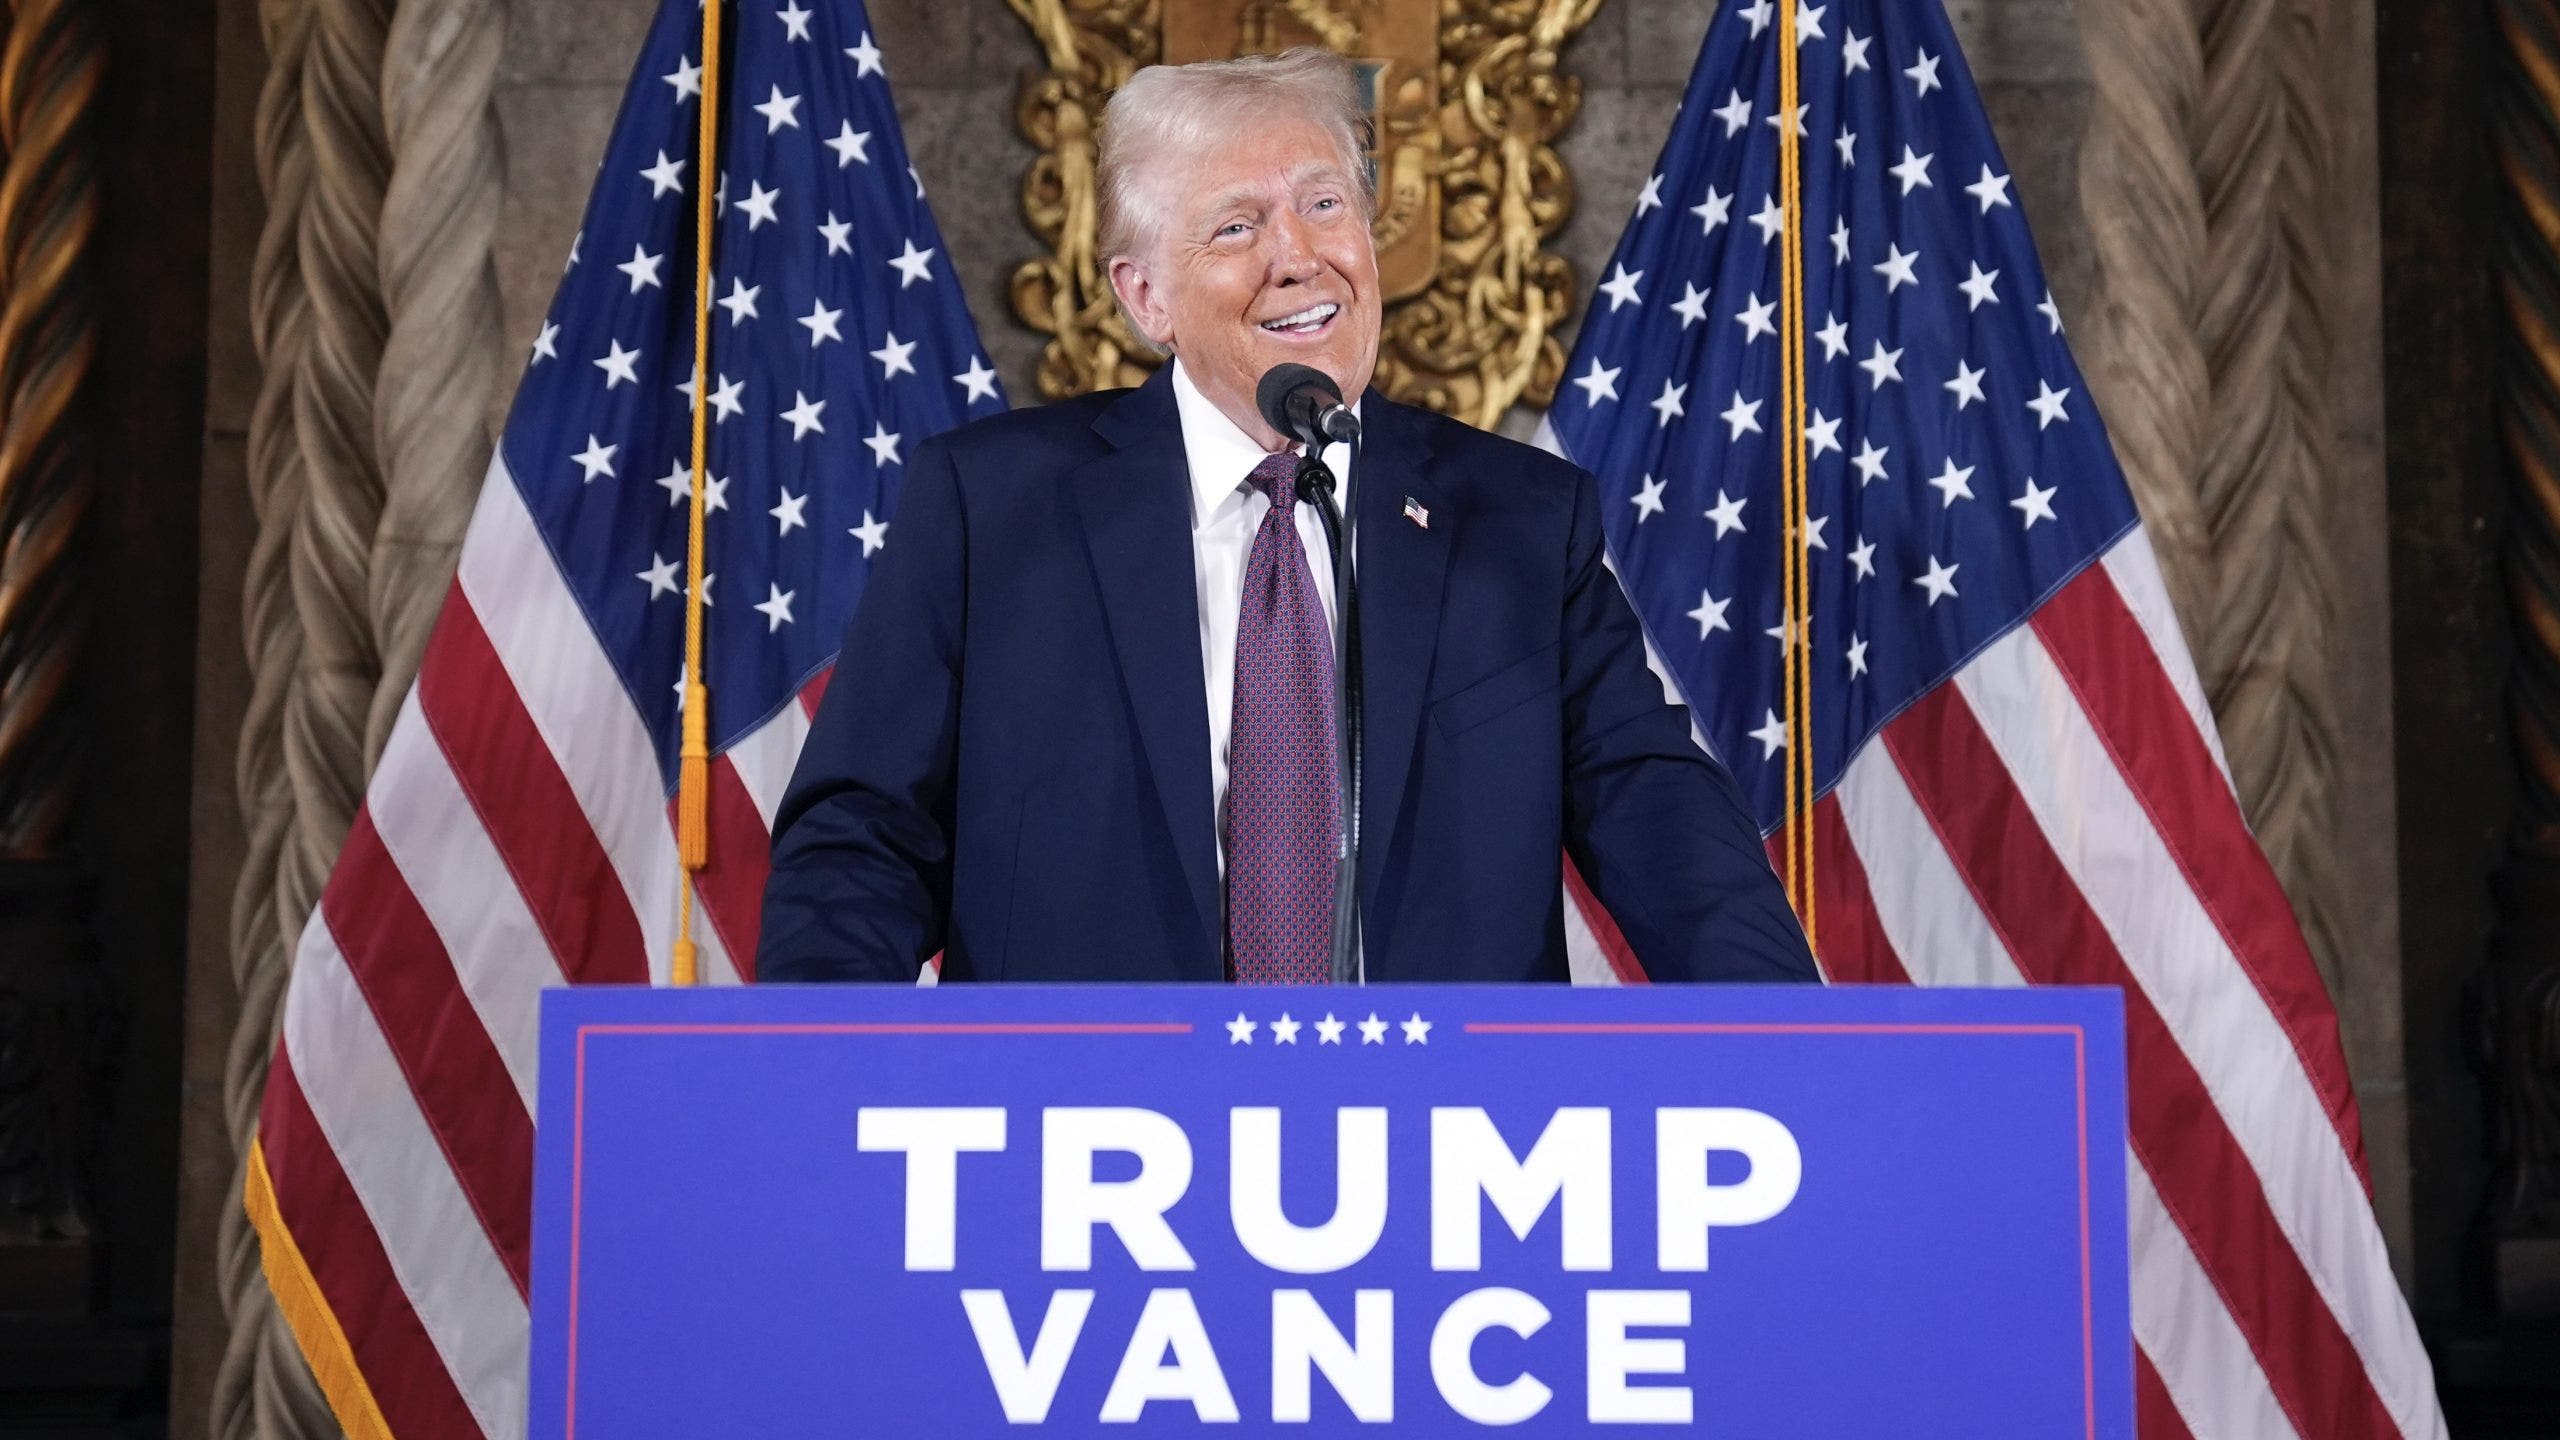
[(1166, 112)]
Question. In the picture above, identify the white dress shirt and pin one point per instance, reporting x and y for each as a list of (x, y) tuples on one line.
[(1226, 509)]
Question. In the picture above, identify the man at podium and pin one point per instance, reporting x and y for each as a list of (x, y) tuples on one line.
[(1084, 726)]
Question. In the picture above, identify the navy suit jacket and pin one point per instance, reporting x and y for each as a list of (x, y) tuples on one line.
[(1011, 764)]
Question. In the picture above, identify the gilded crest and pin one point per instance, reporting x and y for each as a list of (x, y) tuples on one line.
[(1466, 102)]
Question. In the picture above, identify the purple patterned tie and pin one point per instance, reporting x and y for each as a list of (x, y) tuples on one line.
[(1284, 810)]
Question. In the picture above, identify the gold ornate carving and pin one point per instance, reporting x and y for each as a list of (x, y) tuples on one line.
[(1469, 183)]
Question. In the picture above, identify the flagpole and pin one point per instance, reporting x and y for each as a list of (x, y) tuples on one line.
[(1796, 617), (693, 767)]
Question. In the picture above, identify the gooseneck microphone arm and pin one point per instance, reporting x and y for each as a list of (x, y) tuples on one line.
[(1304, 404)]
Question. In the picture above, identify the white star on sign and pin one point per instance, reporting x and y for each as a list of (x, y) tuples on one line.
[(1897, 268), (884, 445), (822, 323), (686, 78), (795, 21), (642, 267), (759, 206), (1651, 199), (779, 110), (1417, 1031), (838, 234), (545, 345), (740, 302), (912, 264), (850, 145), (665, 176), (1881, 366), (1735, 113), (1284, 1031), (1857, 657), (661, 576), (1822, 435), (1621, 289), (1727, 512), (1598, 384), (775, 608), (1710, 614), (1666, 406), (979, 380), (1864, 558), (1373, 1031), (1953, 483), (1977, 288), (893, 354), (1913, 172), (1853, 52), (2036, 504), (1648, 499), (2048, 404), (1924, 74), (788, 511), (1754, 318), (803, 416), (1713, 211), (596, 459), (1809, 23), (872, 533), (1741, 415), (1870, 461), (1240, 1030), (1772, 734), (1940, 582), (1691, 306), (1967, 386), (1771, 219), (619, 365), (1328, 1030), (1990, 189), (866, 57), (1834, 336)]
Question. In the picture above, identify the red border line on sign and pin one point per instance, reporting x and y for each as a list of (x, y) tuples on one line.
[(578, 1115), (2080, 1081)]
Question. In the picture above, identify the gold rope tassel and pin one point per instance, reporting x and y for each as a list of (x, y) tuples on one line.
[(1796, 619), (693, 764)]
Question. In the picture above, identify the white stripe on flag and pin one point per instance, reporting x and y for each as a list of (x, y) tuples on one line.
[(445, 857), (1584, 960), (437, 1249), (2104, 837), (2203, 1360), (2135, 569), (764, 757)]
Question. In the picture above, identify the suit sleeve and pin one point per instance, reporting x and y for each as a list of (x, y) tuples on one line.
[(1656, 826), (861, 881)]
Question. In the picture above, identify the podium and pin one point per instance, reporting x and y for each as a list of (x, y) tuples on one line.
[(1434, 1211)]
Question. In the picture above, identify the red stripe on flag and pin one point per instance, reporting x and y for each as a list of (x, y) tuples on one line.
[(347, 1261), (1854, 950), (2155, 1415), (515, 786), (453, 1068), (1604, 929), (732, 884), (2029, 897), (816, 690), (2107, 660)]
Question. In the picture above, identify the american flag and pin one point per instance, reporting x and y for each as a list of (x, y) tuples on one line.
[(518, 831), (2018, 779)]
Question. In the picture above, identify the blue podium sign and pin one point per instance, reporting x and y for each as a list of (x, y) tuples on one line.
[(1167, 1211)]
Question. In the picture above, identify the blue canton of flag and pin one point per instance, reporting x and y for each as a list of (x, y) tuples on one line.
[(1958, 473), (840, 341)]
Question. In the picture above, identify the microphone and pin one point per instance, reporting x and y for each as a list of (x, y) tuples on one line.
[(1304, 404)]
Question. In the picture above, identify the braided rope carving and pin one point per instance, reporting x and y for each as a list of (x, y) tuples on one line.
[(49, 75), (444, 358), (2205, 181)]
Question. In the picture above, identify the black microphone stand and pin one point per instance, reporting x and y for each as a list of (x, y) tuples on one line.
[(1315, 484)]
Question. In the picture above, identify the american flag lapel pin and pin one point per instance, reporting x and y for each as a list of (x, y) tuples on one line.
[(1414, 512)]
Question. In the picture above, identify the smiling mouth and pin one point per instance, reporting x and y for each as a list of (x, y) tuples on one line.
[(1309, 321)]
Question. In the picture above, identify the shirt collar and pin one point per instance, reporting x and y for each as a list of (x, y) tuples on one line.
[(1220, 454)]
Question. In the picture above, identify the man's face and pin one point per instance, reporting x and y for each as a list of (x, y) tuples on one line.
[(1263, 258)]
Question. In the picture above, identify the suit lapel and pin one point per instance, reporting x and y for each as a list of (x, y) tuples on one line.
[(1136, 511), (1403, 566)]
